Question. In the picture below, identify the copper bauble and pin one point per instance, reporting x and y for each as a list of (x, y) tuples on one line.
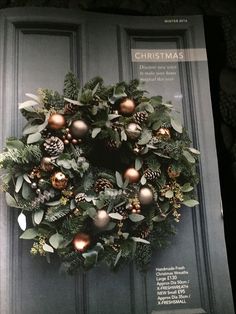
[(101, 219), (59, 180), (78, 128), (145, 196), (132, 175), (133, 130), (81, 241), (173, 173), (46, 164), (163, 134), (127, 107), (56, 121)]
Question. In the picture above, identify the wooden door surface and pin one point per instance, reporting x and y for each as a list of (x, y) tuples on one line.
[(37, 48)]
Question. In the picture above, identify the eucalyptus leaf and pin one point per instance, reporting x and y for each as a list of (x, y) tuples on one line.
[(145, 137), (19, 183), (34, 97), (48, 248), (113, 116), (138, 163), (158, 218), (90, 258), (92, 212), (169, 194), (10, 200), (156, 125), (56, 240), (95, 89), (143, 180), (54, 203), (26, 178), (190, 203), (186, 188), (27, 103), (119, 179), (123, 135), (22, 221), (95, 132), (176, 125), (137, 239), (74, 102), (38, 216), (194, 151), (116, 216), (189, 157), (33, 138), (149, 108), (118, 256), (26, 191), (29, 234), (136, 217)]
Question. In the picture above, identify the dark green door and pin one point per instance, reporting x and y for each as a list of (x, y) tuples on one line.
[(37, 48)]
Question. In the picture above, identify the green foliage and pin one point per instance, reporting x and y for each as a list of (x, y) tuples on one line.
[(51, 99), (71, 86), (56, 212), (81, 192)]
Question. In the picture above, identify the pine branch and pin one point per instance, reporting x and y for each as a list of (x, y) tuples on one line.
[(30, 153), (56, 212), (51, 99), (71, 86)]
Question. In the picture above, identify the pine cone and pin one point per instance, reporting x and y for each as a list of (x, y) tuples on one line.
[(46, 133), (143, 231), (121, 209), (80, 197), (151, 175), (53, 146), (140, 117), (111, 144), (102, 184), (70, 108)]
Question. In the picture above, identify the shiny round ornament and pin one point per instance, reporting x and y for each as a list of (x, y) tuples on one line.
[(127, 107), (81, 241), (59, 180), (132, 175), (78, 128), (133, 131), (145, 196), (56, 121), (46, 164), (163, 134), (102, 219)]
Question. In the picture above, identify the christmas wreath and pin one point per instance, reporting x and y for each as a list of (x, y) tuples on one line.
[(100, 173)]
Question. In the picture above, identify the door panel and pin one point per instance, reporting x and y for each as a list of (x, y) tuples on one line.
[(37, 48)]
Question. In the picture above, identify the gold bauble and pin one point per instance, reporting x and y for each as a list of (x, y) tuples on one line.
[(78, 128), (46, 164), (56, 121), (133, 131), (173, 173), (59, 180), (132, 175), (127, 107), (145, 196), (101, 220), (163, 134), (81, 241)]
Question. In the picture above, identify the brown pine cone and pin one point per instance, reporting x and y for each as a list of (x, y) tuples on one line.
[(102, 184)]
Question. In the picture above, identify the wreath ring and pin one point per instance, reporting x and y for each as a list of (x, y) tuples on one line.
[(100, 173)]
